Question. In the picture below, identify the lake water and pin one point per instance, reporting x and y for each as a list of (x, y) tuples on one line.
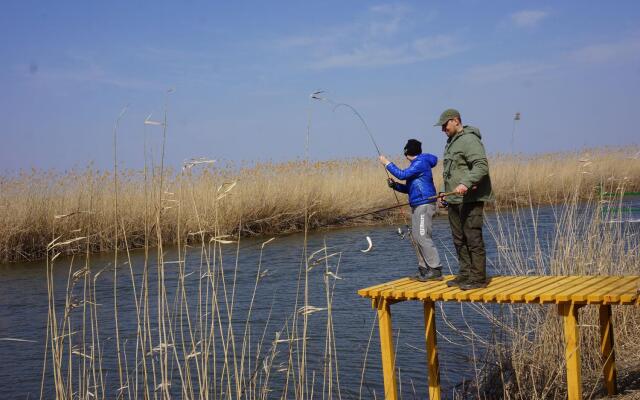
[(23, 308)]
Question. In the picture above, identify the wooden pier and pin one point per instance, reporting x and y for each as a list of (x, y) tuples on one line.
[(568, 292)]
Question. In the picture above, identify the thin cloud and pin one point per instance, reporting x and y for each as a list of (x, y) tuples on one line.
[(382, 36), (421, 49), (85, 74), (505, 71), (528, 18), (612, 52), (387, 19)]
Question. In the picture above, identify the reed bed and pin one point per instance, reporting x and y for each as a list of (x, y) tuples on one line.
[(268, 198), (194, 342), (525, 358), (188, 340)]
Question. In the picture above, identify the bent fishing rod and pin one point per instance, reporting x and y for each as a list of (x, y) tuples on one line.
[(339, 220), (317, 95)]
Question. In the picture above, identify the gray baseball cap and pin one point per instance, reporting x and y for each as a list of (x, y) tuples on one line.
[(446, 115)]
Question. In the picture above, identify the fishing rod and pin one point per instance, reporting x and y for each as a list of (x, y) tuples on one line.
[(317, 96), (438, 196)]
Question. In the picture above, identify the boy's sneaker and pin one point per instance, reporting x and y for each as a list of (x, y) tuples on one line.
[(431, 274)]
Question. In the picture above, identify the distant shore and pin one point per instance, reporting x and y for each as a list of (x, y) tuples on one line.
[(81, 207)]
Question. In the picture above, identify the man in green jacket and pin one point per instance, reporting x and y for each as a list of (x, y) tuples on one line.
[(466, 172)]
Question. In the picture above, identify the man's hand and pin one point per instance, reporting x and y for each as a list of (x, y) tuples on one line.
[(461, 189), (384, 160), (391, 183)]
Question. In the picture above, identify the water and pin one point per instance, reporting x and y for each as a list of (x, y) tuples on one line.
[(23, 310)]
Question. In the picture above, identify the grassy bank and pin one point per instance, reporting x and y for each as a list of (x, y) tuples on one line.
[(263, 199)]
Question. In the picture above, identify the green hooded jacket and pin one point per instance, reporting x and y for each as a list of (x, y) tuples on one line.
[(465, 162)]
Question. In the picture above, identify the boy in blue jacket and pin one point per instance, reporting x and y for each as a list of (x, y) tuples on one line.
[(419, 186)]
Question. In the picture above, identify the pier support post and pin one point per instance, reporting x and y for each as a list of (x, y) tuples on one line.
[(606, 349), (569, 312), (387, 350), (432, 349)]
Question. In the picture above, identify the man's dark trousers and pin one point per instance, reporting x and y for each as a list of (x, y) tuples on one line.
[(466, 227)]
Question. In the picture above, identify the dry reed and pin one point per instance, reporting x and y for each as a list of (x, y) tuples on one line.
[(193, 341), (269, 197), (526, 359)]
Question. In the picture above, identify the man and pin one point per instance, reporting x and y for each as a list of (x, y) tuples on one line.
[(466, 172), (421, 190)]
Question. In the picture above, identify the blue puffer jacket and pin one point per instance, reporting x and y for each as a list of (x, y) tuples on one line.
[(419, 180)]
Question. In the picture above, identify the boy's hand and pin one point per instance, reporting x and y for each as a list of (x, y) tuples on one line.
[(441, 200), (391, 183), (384, 160)]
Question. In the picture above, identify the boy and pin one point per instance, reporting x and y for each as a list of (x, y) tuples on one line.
[(419, 186)]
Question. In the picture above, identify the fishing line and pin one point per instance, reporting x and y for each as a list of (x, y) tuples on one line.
[(318, 95)]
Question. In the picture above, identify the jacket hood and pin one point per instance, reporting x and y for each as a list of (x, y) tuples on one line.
[(428, 158), (472, 129)]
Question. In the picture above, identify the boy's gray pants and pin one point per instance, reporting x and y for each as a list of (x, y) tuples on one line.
[(421, 229)]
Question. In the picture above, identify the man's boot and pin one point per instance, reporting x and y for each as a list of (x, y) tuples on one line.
[(457, 281), (469, 285)]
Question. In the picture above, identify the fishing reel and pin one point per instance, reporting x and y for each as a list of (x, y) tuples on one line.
[(442, 203)]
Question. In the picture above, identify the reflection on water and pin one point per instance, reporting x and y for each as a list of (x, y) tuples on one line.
[(23, 310)]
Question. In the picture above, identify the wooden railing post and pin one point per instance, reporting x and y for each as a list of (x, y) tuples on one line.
[(607, 350), (569, 312), (432, 349), (387, 350)]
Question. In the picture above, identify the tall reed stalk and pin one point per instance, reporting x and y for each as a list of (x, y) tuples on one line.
[(186, 340)]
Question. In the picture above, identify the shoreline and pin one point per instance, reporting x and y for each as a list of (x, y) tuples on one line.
[(79, 207)]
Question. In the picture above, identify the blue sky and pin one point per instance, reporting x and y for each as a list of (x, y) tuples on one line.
[(243, 71)]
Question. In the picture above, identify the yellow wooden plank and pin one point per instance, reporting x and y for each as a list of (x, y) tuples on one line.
[(494, 282), (550, 295), (630, 297), (626, 294), (375, 290), (380, 285), (391, 290), (449, 293), (518, 296), (582, 295), (535, 294), (565, 294), (531, 283), (567, 289), (436, 293), (490, 293), (411, 292), (365, 292), (399, 292), (623, 285), (425, 294)]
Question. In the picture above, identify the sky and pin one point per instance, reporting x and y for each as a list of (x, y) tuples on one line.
[(235, 78)]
